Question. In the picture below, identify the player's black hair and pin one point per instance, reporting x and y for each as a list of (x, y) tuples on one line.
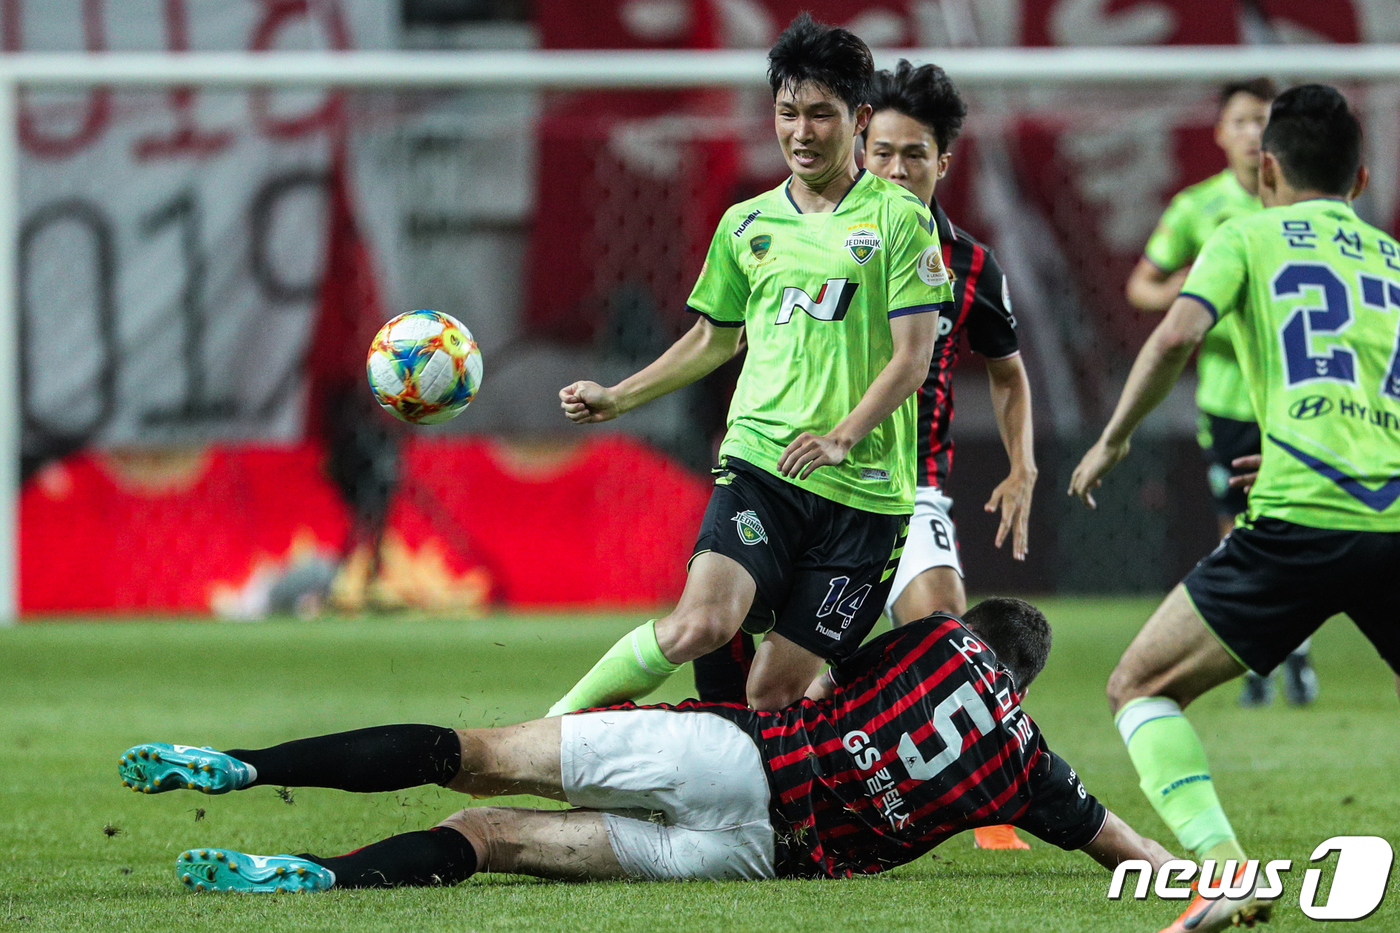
[(925, 94), (1315, 137), (1014, 629), (1260, 88), (826, 55)]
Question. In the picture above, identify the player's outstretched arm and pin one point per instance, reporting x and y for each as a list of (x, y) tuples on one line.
[(1155, 371), (1152, 290), (1011, 400), (696, 354), (1117, 842), (914, 336)]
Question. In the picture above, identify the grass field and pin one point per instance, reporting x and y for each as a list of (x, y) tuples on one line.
[(80, 852)]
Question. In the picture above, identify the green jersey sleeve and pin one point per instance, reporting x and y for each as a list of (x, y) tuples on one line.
[(722, 291), (1219, 277), (918, 280), (1173, 245)]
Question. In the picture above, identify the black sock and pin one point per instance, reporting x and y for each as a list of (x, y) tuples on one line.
[(722, 675), (437, 856), (365, 760)]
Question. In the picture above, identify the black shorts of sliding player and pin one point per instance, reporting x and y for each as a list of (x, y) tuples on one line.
[(1228, 439), (822, 570), (1270, 584)]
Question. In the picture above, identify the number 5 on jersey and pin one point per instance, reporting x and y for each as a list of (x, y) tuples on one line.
[(964, 698)]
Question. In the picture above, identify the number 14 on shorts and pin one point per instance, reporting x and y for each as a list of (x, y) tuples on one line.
[(846, 606)]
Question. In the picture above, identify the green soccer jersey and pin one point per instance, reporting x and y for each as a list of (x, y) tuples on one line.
[(1311, 298), (816, 293), (1184, 228)]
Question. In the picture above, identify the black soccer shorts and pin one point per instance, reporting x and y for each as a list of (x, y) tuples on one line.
[(1270, 584), (823, 570), (1228, 439)]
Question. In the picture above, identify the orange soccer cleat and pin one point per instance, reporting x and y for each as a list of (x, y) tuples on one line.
[(1208, 916), (998, 837)]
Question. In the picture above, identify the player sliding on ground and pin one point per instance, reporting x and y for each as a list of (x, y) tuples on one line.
[(1310, 294), (922, 736), (836, 280)]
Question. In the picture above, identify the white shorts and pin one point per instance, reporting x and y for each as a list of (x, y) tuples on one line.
[(932, 542), (685, 793)]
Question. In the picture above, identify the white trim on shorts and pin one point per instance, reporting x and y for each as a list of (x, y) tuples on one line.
[(921, 549), (684, 791)]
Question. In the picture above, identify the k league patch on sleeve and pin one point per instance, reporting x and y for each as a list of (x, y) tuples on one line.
[(931, 270)]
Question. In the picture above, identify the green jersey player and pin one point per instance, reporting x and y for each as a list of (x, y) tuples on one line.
[(1226, 427), (836, 279), (1311, 298)]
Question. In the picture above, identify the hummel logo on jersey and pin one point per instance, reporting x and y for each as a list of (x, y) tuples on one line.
[(863, 241), (747, 220), (830, 304), (750, 528)]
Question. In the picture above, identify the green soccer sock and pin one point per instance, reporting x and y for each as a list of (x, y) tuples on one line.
[(1175, 776), (632, 668)]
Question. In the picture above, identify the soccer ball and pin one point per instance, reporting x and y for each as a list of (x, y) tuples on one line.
[(424, 367)]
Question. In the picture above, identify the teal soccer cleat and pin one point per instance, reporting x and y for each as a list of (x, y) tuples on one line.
[(227, 870), (156, 767)]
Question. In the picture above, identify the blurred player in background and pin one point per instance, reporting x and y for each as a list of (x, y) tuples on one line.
[(1309, 295), (836, 280), (871, 776), (1227, 428)]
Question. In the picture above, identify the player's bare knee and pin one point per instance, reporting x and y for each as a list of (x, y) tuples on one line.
[(1123, 687), (489, 830), (691, 633), (476, 753), (472, 824), (771, 696)]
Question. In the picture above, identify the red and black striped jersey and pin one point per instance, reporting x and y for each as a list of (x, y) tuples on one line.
[(981, 309), (923, 738)]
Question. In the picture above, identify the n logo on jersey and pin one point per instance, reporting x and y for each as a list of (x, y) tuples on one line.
[(760, 245), (831, 302)]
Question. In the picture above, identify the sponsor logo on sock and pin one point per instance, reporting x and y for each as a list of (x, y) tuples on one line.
[(1360, 877), (1195, 778), (750, 528)]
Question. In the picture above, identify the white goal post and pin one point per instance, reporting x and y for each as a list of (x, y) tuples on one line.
[(971, 68)]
